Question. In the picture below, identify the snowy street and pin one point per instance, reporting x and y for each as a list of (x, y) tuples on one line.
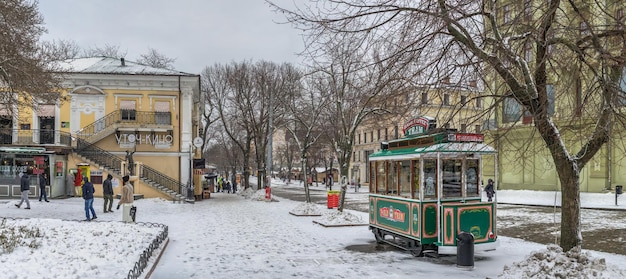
[(229, 236)]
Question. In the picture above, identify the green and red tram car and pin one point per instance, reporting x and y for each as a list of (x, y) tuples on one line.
[(425, 190)]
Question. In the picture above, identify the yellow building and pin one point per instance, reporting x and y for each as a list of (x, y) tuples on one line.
[(112, 112), (454, 104), (524, 161)]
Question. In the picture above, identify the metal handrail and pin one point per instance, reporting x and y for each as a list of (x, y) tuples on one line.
[(34, 137), (98, 155), (161, 179), (125, 116), (104, 158)]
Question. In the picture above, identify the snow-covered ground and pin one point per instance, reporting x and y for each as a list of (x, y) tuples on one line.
[(243, 236)]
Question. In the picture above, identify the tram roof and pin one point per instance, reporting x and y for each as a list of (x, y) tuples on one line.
[(447, 147)]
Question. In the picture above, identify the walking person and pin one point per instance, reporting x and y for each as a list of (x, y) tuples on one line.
[(126, 200), (107, 191), (489, 189), (25, 190), (42, 188), (88, 191)]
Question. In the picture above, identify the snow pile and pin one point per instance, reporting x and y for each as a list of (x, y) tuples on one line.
[(335, 217), (307, 208), (72, 249), (256, 195), (554, 263)]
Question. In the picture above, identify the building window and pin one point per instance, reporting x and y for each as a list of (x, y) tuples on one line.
[(371, 136), (507, 13), (128, 110), (395, 132), (477, 129), (479, 103), (528, 13), (378, 134), (512, 110), (528, 52), (584, 29), (386, 135), (162, 113), (463, 100), (550, 91), (463, 128), (359, 138), (446, 99), (424, 98), (621, 95), (364, 137)]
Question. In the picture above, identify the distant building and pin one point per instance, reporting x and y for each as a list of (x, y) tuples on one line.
[(109, 108)]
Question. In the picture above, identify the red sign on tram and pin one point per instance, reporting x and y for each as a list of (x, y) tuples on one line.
[(466, 137)]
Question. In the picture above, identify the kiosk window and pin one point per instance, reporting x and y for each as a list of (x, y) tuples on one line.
[(471, 178), (416, 179), (430, 178), (392, 178), (451, 170), (381, 178), (405, 179)]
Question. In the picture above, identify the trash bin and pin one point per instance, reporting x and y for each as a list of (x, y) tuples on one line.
[(618, 189), (465, 250), (333, 199)]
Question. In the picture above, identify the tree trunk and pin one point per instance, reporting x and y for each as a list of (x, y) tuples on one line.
[(571, 235), (307, 192)]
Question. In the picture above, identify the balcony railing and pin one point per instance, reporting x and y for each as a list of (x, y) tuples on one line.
[(120, 117), (35, 137)]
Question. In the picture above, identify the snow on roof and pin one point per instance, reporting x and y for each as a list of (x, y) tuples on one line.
[(110, 65)]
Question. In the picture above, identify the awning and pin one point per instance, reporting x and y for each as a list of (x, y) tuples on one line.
[(162, 106), (448, 148), (127, 105)]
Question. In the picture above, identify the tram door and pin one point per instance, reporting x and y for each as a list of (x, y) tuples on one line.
[(46, 132)]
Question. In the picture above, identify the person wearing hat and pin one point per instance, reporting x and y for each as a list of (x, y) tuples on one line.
[(107, 192), (126, 201)]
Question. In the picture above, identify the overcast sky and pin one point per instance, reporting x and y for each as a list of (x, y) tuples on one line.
[(197, 33)]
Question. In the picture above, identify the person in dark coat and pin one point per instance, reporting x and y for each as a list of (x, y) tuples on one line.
[(25, 189), (107, 191), (88, 191), (42, 188), (489, 189)]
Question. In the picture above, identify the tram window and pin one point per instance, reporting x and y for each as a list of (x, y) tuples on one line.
[(381, 178), (430, 178), (392, 178), (471, 178), (451, 170), (416, 179), (405, 179), (372, 174)]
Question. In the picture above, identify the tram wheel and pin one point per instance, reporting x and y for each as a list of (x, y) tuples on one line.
[(378, 235), (416, 249)]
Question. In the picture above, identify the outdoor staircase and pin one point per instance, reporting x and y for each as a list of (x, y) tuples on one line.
[(88, 151)]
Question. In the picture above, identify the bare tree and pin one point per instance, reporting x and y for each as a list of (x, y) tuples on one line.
[(156, 59), (361, 85), (525, 52), (27, 74), (107, 50), (61, 49), (303, 121)]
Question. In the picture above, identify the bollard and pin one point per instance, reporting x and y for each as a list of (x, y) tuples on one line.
[(268, 193), (618, 191), (465, 250)]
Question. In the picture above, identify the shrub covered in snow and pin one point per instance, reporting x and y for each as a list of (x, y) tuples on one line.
[(554, 263)]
